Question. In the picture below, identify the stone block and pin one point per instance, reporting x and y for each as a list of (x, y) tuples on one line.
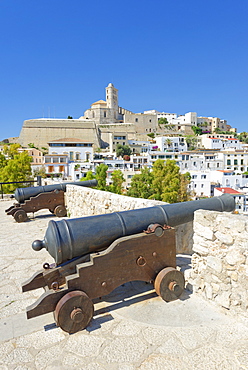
[(203, 231), (223, 299), (224, 238), (215, 263), (234, 257)]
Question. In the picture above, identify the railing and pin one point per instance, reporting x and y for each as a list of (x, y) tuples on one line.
[(38, 181)]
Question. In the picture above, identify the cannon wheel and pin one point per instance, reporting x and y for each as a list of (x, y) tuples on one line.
[(60, 211), (169, 284), (20, 215), (73, 311)]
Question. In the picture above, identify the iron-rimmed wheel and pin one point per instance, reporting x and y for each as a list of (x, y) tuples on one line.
[(74, 311), (169, 284), (60, 211), (20, 215)]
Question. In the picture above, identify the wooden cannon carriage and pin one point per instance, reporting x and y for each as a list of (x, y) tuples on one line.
[(33, 199), (94, 255)]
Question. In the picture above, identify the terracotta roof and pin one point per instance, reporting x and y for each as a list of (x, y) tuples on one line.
[(228, 191), (99, 102)]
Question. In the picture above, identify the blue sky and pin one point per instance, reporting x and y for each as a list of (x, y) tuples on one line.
[(58, 56)]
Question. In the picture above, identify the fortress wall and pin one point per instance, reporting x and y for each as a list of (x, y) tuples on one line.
[(87, 201), (220, 260), (40, 132)]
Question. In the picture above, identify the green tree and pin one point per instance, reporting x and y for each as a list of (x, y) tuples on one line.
[(89, 176), (40, 172), (16, 169), (184, 194), (168, 184), (3, 161), (217, 130), (191, 141), (162, 122), (69, 117), (122, 150), (141, 184), (243, 137), (117, 181), (101, 175), (11, 150), (151, 135), (197, 130)]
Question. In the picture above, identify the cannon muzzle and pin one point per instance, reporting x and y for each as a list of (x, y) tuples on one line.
[(22, 194), (67, 239)]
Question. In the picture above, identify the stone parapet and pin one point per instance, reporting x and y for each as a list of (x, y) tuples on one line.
[(83, 201), (220, 260)]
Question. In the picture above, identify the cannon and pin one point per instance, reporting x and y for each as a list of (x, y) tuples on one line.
[(96, 254), (33, 199)]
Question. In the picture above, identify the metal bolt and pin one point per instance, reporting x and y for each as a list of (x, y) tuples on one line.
[(77, 315), (55, 285), (141, 261)]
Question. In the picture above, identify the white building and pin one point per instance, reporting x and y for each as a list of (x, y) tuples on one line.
[(77, 150), (200, 184), (220, 143), (56, 165), (171, 143)]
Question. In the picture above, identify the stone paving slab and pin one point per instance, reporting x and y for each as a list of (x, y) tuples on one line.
[(132, 328)]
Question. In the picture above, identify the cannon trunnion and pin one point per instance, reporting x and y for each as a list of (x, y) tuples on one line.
[(96, 254), (33, 199)]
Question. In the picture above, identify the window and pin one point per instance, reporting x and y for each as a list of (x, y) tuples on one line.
[(77, 156), (136, 119), (235, 162), (104, 114), (71, 156), (203, 176), (228, 162)]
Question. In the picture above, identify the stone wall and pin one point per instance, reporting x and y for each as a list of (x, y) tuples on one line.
[(220, 260), (86, 201)]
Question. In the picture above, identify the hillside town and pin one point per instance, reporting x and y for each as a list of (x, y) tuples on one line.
[(206, 147)]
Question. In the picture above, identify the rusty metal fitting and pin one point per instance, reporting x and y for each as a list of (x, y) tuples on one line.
[(141, 261), (173, 286), (77, 315), (55, 285)]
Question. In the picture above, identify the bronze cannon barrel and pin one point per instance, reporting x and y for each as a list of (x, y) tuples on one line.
[(67, 239), (22, 194)]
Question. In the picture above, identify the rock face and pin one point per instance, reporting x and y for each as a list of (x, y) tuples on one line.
[(220, 259), (86, 201)]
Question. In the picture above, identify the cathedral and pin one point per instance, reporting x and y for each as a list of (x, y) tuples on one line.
[(101, 120)]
